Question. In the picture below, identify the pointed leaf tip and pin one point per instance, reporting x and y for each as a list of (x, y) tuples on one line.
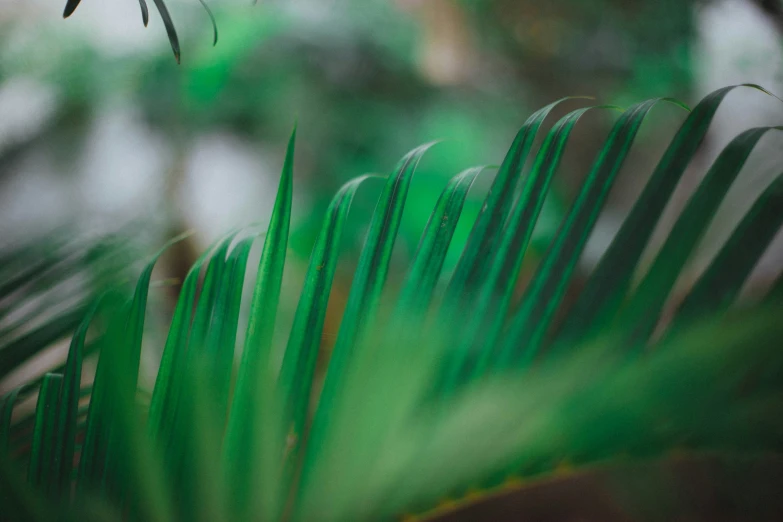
[(760, 88), (678, 103), (145, 14), (170, 30), (211, 19), (70, 7)]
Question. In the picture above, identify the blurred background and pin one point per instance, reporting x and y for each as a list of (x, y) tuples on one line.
[(100, 129), (102, 132)]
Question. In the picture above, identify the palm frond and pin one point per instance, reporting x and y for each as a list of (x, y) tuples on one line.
[(47, 284), (439, 400)]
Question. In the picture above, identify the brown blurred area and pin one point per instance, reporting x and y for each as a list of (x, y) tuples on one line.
[(681, 489)]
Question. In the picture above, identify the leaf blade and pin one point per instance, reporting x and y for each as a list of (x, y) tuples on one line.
[(361, 307), (212, 20), (298, 367), (472, 263), (607, 285), (68, 402), (255, 377), (145, 14), (431, 252), (485, 324), (536, 311), (70, 7), (171, 31), (721, 282), (44, 461), (639, 318)]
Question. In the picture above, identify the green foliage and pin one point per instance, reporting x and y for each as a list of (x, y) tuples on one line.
[(425, 396), (34, 311)]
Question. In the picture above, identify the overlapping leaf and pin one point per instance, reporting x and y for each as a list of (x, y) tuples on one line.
[(244, 460), (380, 443), (642, 311), (601, 298)]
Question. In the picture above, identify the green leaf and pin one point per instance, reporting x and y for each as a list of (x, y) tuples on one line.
[(427, 263), (535, 313), (112, 386), (372, 269), (211, 19), (44, 460), (69, 403), (145, 14), (295, 383), (122, 468), (642, 312), (222, 335), (70, 7), (363, 301), (193, 445), (603, 294), (92, 458), (165, 393), (485, 324), (135, 327), (207, 300), (474, 260), (243, 467), (6, 412), (296, 375), (720, 284), (26, 346), (170, 30), (20, 502), (30, 266), (586, 407)]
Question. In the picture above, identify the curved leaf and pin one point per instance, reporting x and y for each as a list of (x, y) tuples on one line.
[(27, 345), (431, 253), (475, 257), (6, 412), (164, 394), (211, 19), (533, 318), (486, 322), (296, 375), (68, 403), (168, 23), (598, 303), (145, 14), (222, 336), (207, 301), (363, 300), (721, 282), (112, 386), (641, 315), (44, 462), (243, 466)]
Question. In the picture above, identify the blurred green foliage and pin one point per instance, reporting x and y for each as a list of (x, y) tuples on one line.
[(351, 72)]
